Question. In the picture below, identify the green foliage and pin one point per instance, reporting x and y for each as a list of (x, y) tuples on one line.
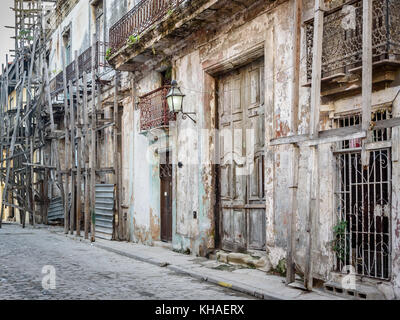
[(109, 53), (339, 242), (133, 39), (281, 267), (25, 35)]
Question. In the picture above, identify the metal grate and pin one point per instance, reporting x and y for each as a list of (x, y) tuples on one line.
[(342, 42), (154, 111), (138, 19), (364, 205), (355, 119)]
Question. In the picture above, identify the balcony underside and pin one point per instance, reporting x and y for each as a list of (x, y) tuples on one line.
[(350, 83), (171, 33)]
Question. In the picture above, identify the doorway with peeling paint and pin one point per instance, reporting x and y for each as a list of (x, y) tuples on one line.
[(241, 196)]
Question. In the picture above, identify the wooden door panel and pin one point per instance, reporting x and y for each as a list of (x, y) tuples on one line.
[(225, 182), (236, 95), (241, 195), (256, 228), (239, 227), (227, 231)]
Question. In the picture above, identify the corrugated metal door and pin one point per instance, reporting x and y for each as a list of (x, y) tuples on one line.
[(104, 211), (56, 210), (241, 177)]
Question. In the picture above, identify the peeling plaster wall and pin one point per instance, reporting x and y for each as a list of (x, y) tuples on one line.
[(144, 201), (230, 42), (324, 260), (185, 227), (115, 9), (396, 199), (78, 19), (278, 75), (193, 183), (82, 25)]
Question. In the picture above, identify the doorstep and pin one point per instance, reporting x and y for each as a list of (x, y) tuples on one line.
[(163, 244)]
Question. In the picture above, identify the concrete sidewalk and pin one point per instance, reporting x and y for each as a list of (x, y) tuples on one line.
[(249, 281)]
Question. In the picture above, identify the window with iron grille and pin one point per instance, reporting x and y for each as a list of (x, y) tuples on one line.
[(364, 203)]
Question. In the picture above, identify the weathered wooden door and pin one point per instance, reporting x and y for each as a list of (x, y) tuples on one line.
[(166, 199), (241, 149)]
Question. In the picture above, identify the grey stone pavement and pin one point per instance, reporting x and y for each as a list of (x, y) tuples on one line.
[(125, 270), (84, 271)]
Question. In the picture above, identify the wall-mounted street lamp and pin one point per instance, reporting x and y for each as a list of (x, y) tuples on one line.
[(175, 101)]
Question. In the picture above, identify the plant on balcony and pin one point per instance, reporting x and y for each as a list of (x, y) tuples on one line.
[(133, 39), (108, 53)]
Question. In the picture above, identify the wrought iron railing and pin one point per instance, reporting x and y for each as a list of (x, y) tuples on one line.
[(138, 19), (84, 64), (154, 111), (342, 37)]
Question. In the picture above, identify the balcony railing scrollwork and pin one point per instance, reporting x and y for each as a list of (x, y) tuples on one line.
[(154, 110), (138, 19), (342, 37)]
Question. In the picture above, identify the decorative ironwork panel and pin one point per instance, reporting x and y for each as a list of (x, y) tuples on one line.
[(154, 111), (362, 235), (355, 119), (342, 37), (138, 19), (364, 212)]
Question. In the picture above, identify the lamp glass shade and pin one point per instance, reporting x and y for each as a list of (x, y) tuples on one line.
[(175, 99)]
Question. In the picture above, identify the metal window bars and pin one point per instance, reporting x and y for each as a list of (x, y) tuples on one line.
[(364, 204)]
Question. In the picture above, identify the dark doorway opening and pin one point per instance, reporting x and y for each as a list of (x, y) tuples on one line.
[(166, 197)]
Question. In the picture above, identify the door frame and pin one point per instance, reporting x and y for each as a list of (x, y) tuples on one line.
[(168, 156), (211, 73)]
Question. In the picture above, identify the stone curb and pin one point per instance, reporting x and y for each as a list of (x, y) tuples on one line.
[(215, 280)]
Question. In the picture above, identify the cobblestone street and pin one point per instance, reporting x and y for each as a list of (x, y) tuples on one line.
[(87, 272)]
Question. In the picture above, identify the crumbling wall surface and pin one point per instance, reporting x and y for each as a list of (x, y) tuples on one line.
[(141, 173), (115, 9), (78, 20), (396, 199), (323, 256), (193, 72), (187, 229), (278, 75)]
